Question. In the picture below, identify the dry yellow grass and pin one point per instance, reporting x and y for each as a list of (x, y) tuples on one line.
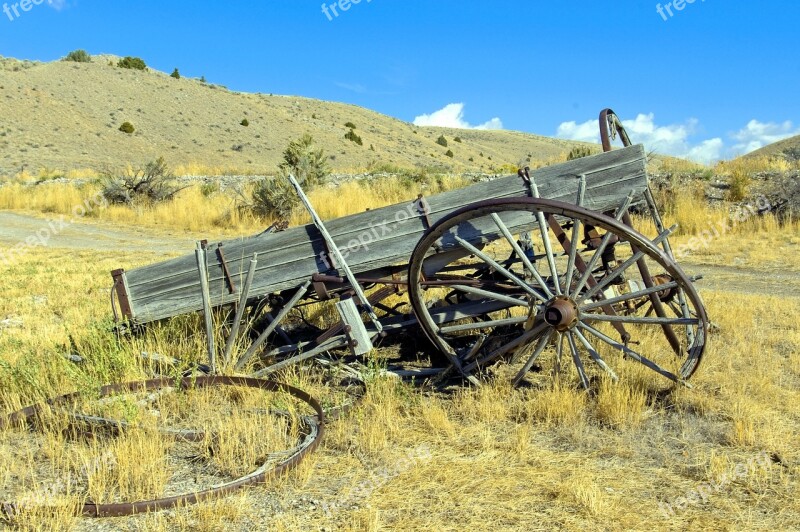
[(196, 211), (722, 455)]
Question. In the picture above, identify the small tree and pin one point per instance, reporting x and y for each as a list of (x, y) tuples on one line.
[(275, 197), (457, 139), (441, 141), (350, 125), (127, 127), (78, 56), (309, 166), (133, 63), (175, 74), (245, 122), (450, 153)]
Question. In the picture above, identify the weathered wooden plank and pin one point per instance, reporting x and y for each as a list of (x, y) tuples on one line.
[(372, 239), (202, 268), (351, 317)]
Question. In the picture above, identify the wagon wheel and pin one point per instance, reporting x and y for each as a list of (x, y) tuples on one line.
[(480, 297)]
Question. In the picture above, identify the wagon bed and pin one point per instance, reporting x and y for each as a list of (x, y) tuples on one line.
[(371, 241)]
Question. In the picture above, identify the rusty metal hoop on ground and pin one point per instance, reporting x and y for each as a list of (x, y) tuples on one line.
[(261, 475)]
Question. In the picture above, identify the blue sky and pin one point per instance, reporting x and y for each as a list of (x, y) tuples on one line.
[(714, 80)]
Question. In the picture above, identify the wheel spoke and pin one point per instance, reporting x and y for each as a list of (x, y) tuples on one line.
[(628, 297), (631, 353), (521, 254), (576, 359), (621, 210), (483, 325), (468, 355), (639, 319), (521, 340), (545, 234), (538, 351), (577, 225), (491, 295), (559, 353), (625, 265), (685, 312), (500, 269), (595, 355)]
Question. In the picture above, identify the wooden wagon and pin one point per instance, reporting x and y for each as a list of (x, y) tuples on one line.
[(499, 270)]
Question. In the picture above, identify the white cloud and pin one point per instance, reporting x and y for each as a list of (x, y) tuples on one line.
[(58, 5), (353, 87), (452, 115), (677, 139), (757, 134), (708, 151)]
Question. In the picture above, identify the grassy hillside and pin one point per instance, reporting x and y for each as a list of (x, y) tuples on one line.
[(66, 115), (787, 148)]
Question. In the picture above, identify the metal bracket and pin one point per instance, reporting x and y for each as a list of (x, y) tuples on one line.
[(225, 269), (424, 211), (121, 287)]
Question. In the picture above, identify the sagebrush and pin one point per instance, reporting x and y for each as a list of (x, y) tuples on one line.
[(154, 183)]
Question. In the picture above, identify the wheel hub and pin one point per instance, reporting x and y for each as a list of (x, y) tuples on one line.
[(561, 313)]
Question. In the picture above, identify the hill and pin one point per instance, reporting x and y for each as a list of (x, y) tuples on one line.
[(786, 148), (67, 115)]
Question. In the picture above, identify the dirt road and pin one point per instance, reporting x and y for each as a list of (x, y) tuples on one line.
[(61, 232)]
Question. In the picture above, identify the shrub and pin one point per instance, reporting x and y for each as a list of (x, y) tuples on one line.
[(202, 79), (245, 122), (210, 188), (133, 63), (579, 152), (457, 139), (792, 153), (784, 197), (78, 56), (152, 184), (127, 127), (175, 74), (274, 197), (738, 185), (449, 153), (441, 141), (353, 137), (350, 125)]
